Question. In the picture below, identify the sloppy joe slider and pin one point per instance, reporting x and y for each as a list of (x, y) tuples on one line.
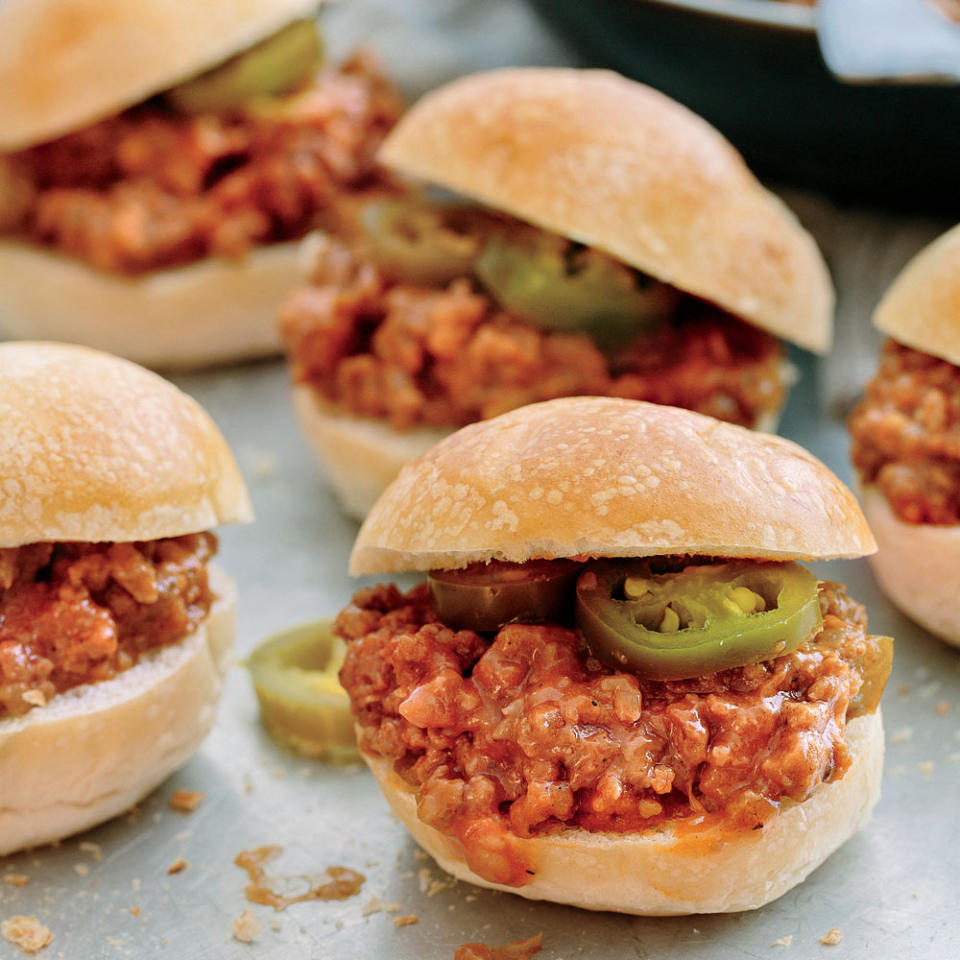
[(115, 627), (619, 687), (607, 241), (160, 161), (906, 440)]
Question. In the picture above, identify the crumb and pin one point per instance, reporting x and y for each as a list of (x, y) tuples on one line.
[(186, 801), (27, 933), (903, 689), (424, 876), (943, 708), (276, 926), (902, 735), (406, 921), (36, 698), (783, 941), (832, 937), (94, 849), (135, 911), (246, 927), (247, 785), (178, 866), (81, 868), (135, 883), (372, 906), (419, 855), (16, 879), (925, 767), (916, 896), (392, 907), (470, 898)]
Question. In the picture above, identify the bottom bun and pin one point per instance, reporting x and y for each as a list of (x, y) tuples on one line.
[(95, 750), (917, 565), (360, 455), (213, 311), (668, 872)]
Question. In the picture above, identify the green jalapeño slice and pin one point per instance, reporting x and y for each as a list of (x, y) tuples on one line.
[(275, 65), (697, 621), (302, 704), (422, 243), (486, 596), (560, 285)]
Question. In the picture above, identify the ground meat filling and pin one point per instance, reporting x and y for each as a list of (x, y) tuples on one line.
[(521, 734), (446, 357), (75, 613), (150, 189), (906, 435)]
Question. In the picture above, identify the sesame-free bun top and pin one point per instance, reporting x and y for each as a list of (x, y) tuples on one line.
[(618, 166), (67, 63), (94, 448), (922, 307), (604, 477)]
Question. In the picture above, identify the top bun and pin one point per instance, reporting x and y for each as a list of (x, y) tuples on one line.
[(620, 167), (922, 307), (94, 448), (604, 477), (66, 63)]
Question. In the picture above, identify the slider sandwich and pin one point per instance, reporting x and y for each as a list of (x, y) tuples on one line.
[(619, 686), (604, 240), (115, 627), (906, 440), (159, 162)]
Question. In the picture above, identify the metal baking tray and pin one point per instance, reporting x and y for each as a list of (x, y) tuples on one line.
[(891, 891)]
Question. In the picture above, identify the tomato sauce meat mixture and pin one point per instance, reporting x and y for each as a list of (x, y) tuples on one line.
[(522, 732), (906, 435), (75, 613), (151, 189), (448, 355)]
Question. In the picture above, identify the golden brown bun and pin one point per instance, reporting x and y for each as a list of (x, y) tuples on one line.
[(606, 477), (918, 566), (95, 448), (94, 751), (213, 311), (66, 63), (360, 456), (660, 873), (922, 307), (616, 165)]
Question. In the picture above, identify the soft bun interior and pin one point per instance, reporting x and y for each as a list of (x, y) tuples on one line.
[(608, 477), (621, 167), (662, 873), (95, 448), (94, 751), (65, 64), (212, 311), (917, 565)]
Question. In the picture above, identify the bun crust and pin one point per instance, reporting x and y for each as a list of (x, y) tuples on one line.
[(917, 566), (590, 476), (94, 448), (360, 456), (67, 63), (922, 307), (96, 750), (213, 311), (660, 873), (616, 165)]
